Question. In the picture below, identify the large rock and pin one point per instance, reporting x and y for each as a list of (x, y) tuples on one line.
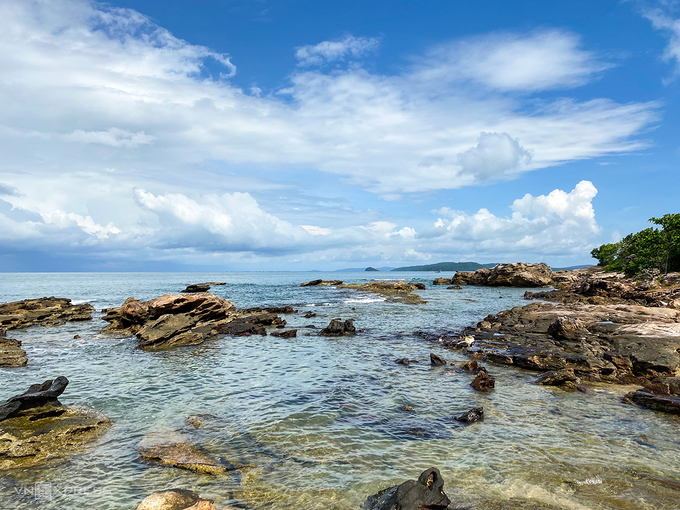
[(339, 328), (516, 274), (426, 493), (169, 448), (321, 283), (442, 281), (398, 292), (36, 427), (11, 353), (196, 287), (176, 499), (47, 311), (663, 403)]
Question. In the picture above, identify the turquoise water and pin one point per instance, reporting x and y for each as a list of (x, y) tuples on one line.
[(319, 418)]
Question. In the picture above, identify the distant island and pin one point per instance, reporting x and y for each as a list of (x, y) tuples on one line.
[(446, 266), (371, 269)]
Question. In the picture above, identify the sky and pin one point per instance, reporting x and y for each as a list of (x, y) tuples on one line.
[(255, 135)]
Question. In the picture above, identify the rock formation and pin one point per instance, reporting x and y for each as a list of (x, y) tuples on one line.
[(436, 359), (321, 283), (196, 287), (399, 292), (339, 328), (426, 493), (11, 353), (35, 426), (483, 381), (169, 448), (47, 311), (176, 499), (507, 275), (661, 394)]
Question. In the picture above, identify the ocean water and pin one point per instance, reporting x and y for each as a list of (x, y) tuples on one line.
[(318, 419)]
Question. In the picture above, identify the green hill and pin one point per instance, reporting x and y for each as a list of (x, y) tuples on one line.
[(446, 266)]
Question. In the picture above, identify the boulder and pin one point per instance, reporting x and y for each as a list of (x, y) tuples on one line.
[(398, 292), (565, 379), (47, 311), (169, 448), (339, 328), (271, 309), (197, 287), (483, 381), (473, 415), (286, 333), (36, 427), (11, 353), (472, 366), (567, 328), (176, 499), (442, 281), (516, 274), (426, 493), (663, 403), (321, 283), (436, 359)]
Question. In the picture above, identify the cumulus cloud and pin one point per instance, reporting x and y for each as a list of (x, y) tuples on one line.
[(331, 51), (550, 59), (494, 155)]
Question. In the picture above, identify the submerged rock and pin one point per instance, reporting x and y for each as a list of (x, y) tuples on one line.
[(473, 415), (339, 328), (507, 275), (35, 426), (11, 353), (169, 448), (176, 499), (47, 311), (426, 493)]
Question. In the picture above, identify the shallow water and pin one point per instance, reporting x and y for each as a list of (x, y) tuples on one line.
[(319, 418)]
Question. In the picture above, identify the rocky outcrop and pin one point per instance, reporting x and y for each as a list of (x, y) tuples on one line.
[(175, 320), (565, 379), (473, 415), (621, 343), (285, 333), (176, 499), (436, 359), (196, 287), (442, 281), (507, 275), (36, 427), (169, 448), (321, 283), (399, 292), (661, 394), (426, 493), (339, 328), (47, 311), (483, 381), (11, 353)]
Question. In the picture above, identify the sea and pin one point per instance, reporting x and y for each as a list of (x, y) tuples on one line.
[(317, 422)]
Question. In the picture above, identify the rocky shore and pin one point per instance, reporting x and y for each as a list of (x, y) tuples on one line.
[(47, 311), (398, 292)]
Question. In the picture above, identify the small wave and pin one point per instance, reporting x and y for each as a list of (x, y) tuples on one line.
[(364, 300), (82, 301)]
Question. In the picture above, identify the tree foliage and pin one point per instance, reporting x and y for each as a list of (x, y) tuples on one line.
[(651, 248)]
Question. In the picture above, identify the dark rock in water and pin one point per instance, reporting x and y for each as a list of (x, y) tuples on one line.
[(483, 381), (663, 403), (47, 311), (11, 353), (427, 493), (37, 395), (442, 281), (567, 328), (309, 315), (472, 366), (473, 415), (408, 409), (405, 361), (420, 286), (321, 283), (339, 328), (241, 327), (666, 385), (289, 333), (35, 426), (310, 326), (272, 309), (436, 359), (197, 287), (565, 379), (454, 287)]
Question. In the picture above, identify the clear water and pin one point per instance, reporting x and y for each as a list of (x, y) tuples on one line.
[(319, 418)]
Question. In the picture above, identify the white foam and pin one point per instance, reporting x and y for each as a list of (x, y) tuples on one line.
[(364, 300)]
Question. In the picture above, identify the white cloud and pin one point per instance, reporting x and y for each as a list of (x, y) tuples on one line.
[(331, 51), (664, 21), (494, 155), (114, 137), (86, 223)]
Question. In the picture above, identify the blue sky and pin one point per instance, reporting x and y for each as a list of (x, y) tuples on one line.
[(262, 135)]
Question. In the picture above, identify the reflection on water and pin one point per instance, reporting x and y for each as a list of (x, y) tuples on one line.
[(317, 421)]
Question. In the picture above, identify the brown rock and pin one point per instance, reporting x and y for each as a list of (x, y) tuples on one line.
[(665, 404), (442, 281), (321, 283), (339, 328), (399, 292), (483, 381), (11, 353), (176, 499), (436, 359), (567, 328), (507, 275), (288, 333), (47, 311), (169, 448)]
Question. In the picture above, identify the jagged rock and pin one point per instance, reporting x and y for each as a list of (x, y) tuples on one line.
[(565, 379), (670, 280), (473, 415), (47, 311), (436, 359), (483, 381), (567, 328), (250, 325), (11, 353), (471, 366), (442, 281), (35, 426), (427, 493), (321, 283), (663, 403), (169, 448), (399, 292), (507, 275), (288, 333), (197, 287), (666, 385), (176, 499), (339, 328)]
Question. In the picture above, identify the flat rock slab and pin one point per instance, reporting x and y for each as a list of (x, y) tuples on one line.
[(11, 353), (663, 403), (47, 311), (398, 292), (169, 448), (41, 433)]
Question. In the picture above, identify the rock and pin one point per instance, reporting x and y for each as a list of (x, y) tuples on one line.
[(47, 311), (436, 359), (565, 379), (667, 385), (398, 292), (663, 403), (339, 328), (454, 287), (169, 448), (473, 415), (507, 275), (36, 427), (442, 281), (321, 283), (405, 361), (670, 280), (176, 499), (567, 328), (250, 325), (11, 353), (427, 493), (288, 333), (309, 315), (196, 287), (408, 409), (483, 381), (472, 366), (271, 309)]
